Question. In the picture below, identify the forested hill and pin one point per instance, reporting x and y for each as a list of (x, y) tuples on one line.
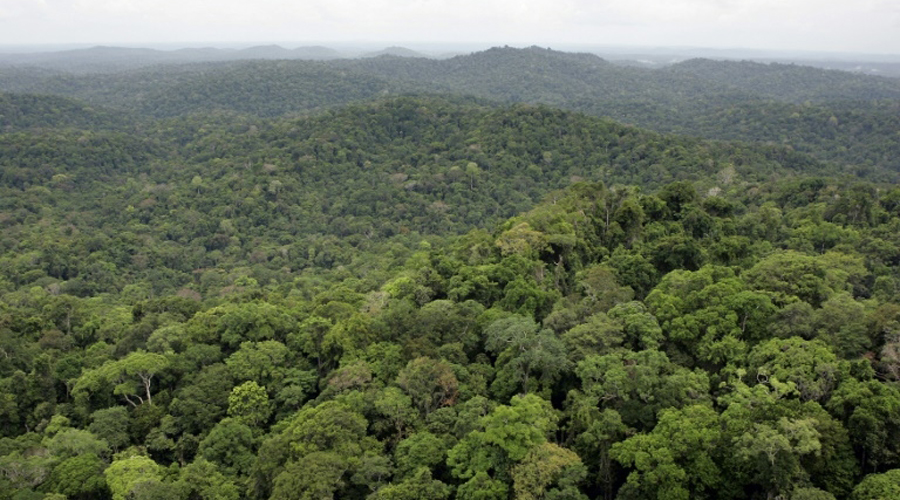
[(790, 82), (535, 74), (222, 281), (504, 74), (832, 115), (608, 343), (258, 88), (30, 111), (527, 74), (288, 195), (104, 59)]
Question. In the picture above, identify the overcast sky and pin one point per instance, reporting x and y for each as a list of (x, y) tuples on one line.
[(871, 26)]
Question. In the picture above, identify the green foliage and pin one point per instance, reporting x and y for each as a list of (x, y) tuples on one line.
[(330, 305), (419, 485), (249, 404), (422, 449), (639, 384), (809, 365), (230, 445), (504, 437), (124, 474), (525, 352), (79, 477), (202, 478), (677, 459), (111, 425), (878, 486), (430, 383), (836, 115), (869, 410), (130, 377), (482, 487), (545, 465)]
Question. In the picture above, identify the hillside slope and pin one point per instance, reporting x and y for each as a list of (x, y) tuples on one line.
[(832, 115), (287, 195)]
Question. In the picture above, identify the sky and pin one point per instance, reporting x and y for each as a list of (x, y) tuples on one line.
[(852, 26)]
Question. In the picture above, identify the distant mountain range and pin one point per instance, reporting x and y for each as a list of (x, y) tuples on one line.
[(111, 58), (833, 115), (103, 59)]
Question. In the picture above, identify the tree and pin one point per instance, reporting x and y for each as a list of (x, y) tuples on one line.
[(261, 362), (592, 433), (678, 196), (639, 384), (809, 365), (774, 451), (430, 383), (230, 445), (870, 411), (310, 339), (233, 324), (641, 329), (710, 314), (124, 473), (878, 486), (318, 475), (441, 322), (199, 405), (79, 478), (545, 465), (677, 459), (331, 431), (350, 335), (417, 485), (504, 437), (249, 404), (422, 449), (111, 425), (155, 489), (597, 335), (790, 274), (74, 442), (633, 269), (398, 411), (779, 441), (202, 478), (524, 352), (842, 323), (801, 493), (132, 376)]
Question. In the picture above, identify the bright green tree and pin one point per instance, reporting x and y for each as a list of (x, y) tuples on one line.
[(249, 404), (124, 473), (131, 377)]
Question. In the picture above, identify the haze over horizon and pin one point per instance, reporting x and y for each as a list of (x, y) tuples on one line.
[(866, 26)]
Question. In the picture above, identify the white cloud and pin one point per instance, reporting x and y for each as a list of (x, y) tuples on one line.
[(863, 25), (17, 8)]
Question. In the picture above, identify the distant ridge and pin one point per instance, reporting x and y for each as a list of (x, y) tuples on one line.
[(774, 103), (395, 51), (279, 52), (782, 81), (104, 59), (317, 52)]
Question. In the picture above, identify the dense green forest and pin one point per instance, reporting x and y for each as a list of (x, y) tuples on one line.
[(436, 296), (832, 115)]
